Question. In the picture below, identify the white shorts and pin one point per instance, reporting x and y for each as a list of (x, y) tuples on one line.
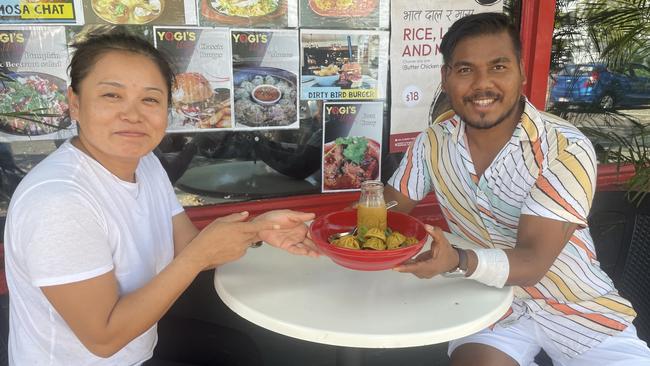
[(524, 339)]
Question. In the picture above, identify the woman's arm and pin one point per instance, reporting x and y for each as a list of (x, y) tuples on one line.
[(105, 322)]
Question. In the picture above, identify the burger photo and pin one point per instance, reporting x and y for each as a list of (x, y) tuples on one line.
[(195, 101), (351, 75)]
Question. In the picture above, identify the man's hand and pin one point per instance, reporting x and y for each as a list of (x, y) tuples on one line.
[(290, 233), (442, 257)]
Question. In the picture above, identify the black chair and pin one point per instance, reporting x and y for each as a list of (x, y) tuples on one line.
[(621, 232)]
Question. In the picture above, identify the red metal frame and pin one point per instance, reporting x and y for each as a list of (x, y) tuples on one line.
[(536, 33), (537, 21)]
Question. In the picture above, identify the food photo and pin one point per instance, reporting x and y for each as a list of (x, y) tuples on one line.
[(345, 75), (343, 8), (195, 104), (128, 11), (349, 161), (33, 103), (264, 97), (242, 12)]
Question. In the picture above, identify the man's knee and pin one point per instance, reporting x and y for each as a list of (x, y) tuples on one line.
[(476, 354)]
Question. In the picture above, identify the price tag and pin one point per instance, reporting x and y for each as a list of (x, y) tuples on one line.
[(411, 95)]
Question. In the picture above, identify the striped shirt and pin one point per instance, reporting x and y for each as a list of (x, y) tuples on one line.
[(547, 169)]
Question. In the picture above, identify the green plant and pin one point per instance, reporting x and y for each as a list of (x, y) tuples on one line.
[(630, 149)]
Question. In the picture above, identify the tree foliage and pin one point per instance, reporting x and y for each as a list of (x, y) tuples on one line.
[(619, 29)]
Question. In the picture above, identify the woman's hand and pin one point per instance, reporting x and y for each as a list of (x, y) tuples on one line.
[(226, 239), (441, 258), (289, 233)]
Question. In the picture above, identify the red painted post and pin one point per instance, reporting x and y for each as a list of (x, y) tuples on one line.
[(537, 21)]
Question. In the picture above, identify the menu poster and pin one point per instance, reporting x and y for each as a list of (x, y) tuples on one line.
[(259, 13), (345, 14), (159, 12), (265, 78), (20, 11), (78, 33), (417, 30), (33, 84), (201, 96), (352, 136), (339, 64)]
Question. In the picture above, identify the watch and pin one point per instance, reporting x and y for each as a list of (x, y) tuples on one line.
[(461, 270)]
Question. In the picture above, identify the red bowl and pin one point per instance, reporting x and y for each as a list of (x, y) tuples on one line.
[(366, 260)]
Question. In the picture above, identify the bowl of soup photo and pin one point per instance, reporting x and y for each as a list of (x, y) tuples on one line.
[(368, 249)]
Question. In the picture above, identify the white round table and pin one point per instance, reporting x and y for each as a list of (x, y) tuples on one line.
[(319, 301)]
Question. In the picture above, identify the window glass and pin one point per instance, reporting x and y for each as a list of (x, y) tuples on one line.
[(599, 77), (223, 167)]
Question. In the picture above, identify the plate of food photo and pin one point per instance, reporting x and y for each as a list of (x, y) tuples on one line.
[(265, 96), (343, 8), (33, 103), (242, 12), (196, 104), (128, 11), (348, 161)]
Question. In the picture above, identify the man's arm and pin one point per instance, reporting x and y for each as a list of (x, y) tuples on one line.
[(539, 241), (404, 204)]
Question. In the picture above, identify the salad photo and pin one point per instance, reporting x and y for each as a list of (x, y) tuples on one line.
[(33, 103)]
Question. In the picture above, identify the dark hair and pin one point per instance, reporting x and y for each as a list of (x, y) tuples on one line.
[(477, 25), (93, 46)]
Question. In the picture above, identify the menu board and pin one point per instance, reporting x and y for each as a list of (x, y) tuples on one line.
[(265, 78), (340, 65), (352, 135), (44, 11), (417, 30), (159, 12), (344, 13), (201, 96), (33, 85), (259, 13)]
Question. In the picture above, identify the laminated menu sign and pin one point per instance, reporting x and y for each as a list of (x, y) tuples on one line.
[(35, 11), (265, 78), (201, 96), (33, 84), (249, 13), (344, 13), (417, 30), (159, 12), (352, 136), (343, 65)]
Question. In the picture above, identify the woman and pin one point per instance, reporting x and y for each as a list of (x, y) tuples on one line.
[(97, 246)]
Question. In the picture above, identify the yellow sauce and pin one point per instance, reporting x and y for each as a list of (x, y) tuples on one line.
[(371, 217)]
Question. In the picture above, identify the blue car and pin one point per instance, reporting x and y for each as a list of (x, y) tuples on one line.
[(596, 86)]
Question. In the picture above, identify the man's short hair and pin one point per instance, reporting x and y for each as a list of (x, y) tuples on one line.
[(478, 25)]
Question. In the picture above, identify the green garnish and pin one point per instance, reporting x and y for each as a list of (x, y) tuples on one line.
[(355, 147), (361, 234)]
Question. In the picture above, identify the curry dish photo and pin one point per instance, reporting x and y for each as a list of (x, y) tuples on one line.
[(128, 11)]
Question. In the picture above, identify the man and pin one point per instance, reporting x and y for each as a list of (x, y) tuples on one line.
[(519, 184)]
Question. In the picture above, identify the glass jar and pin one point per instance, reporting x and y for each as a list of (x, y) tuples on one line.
[(371, 210)]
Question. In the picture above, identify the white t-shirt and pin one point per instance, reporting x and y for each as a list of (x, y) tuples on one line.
[(69, 220)]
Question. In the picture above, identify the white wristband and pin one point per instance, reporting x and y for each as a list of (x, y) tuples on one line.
[(492, 268)]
